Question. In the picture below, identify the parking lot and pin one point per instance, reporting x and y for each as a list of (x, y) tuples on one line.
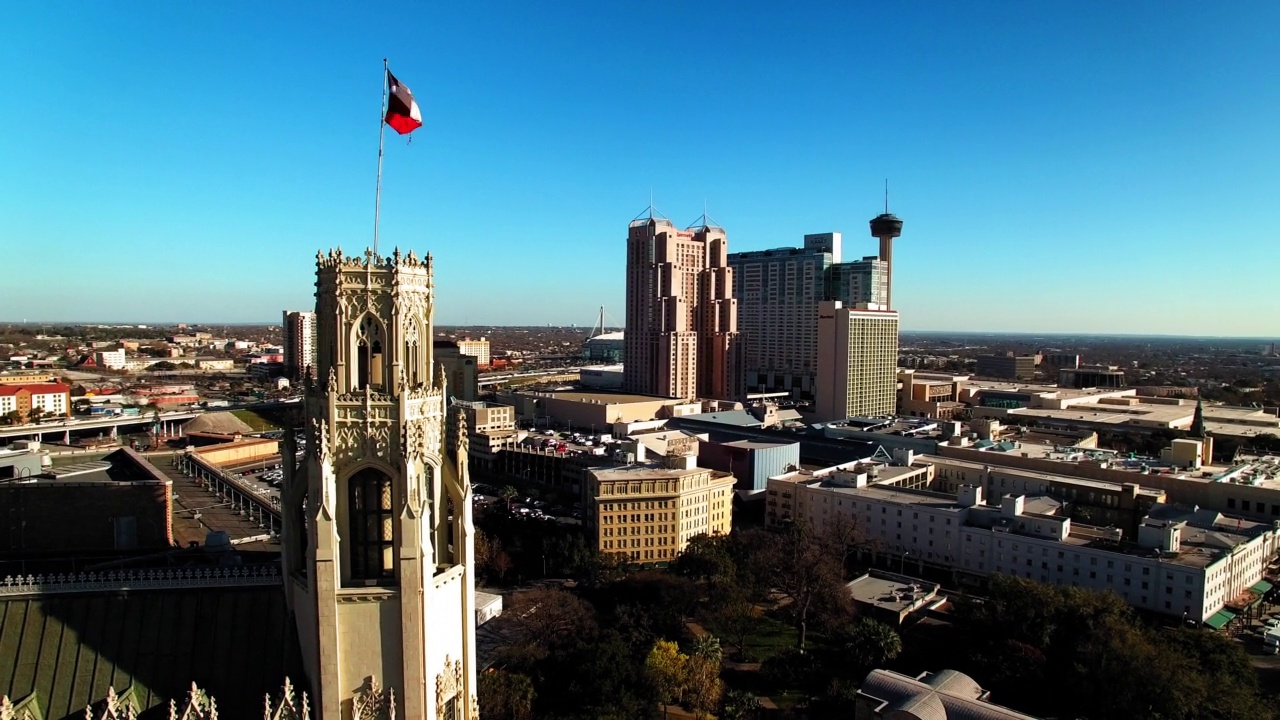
[(485, 498)]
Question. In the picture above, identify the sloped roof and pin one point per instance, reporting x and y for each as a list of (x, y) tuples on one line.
[(36, 388), (237, 643)]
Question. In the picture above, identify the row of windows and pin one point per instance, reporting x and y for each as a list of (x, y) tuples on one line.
[(635, 543), (637, 530), (1256, 506), (1143, 600)]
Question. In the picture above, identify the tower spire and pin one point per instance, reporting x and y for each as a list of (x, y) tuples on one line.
[(886, 196)]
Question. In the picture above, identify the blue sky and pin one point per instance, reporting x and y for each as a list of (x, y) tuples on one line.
[(1061, 166)]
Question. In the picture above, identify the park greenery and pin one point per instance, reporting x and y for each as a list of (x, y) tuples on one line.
[(761, 616)]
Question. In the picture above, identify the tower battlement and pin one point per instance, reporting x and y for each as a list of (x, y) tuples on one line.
[(335, 258)]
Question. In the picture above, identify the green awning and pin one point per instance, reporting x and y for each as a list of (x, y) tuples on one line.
[(1219, 620), (1262, 586)]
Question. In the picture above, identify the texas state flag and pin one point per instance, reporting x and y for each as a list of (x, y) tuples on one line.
[(403, 114)]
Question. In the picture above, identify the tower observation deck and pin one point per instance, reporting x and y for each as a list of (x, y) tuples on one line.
[(886, 227)]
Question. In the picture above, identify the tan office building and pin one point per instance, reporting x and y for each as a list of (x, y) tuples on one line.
[(857, 361), (682, 319), (649, 511)]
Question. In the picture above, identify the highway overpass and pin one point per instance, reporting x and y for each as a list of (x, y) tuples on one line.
[(551, 375), (112, 424)]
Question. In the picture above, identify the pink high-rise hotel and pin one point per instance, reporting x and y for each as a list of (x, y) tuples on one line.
[(682, 320)]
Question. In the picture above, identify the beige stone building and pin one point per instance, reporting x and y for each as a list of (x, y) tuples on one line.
[(378, 533), (487, 417), (682, 319), (477, 348), (857, 362), (649, 511), (596, 411), (491, 429)]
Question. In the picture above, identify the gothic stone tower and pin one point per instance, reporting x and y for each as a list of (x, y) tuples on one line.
[(378, 533)]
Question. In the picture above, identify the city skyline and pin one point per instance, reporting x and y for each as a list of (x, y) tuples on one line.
[(1087, 139)]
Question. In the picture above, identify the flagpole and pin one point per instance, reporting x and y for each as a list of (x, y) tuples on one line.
[(382, 126)]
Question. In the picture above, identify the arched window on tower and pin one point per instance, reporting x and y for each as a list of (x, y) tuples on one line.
[(372, 534), (411, 359), (369, 361)]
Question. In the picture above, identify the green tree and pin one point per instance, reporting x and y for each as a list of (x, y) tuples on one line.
[(706, 558), (871, 643), (508, 493), (735, 616), (1028, 639), (702, 687), (665, 667), (740, 705), (804, 572), (505, 696), (707, 646), (570, 555), (649, 605)]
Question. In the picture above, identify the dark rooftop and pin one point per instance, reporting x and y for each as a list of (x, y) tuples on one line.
[(236, 643)]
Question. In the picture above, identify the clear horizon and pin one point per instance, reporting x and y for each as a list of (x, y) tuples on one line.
[(1057, 166), (440, 325)]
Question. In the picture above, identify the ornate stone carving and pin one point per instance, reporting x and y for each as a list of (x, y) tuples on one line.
[(377, 439), (113, 708), (7, 711), (413, 497), (336, 260), (140, 579), (464, 435), (448, 684), (288, 707), (411, 442), (348, 443), (320, 438), (198, 706), (332, 387), (371, 702), (475, 708)]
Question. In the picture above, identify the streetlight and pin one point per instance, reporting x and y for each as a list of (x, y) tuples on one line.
[(903, 567)]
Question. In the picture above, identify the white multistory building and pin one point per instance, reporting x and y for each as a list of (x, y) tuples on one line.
[(110, 359), (52, 398), (1184, 562)]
